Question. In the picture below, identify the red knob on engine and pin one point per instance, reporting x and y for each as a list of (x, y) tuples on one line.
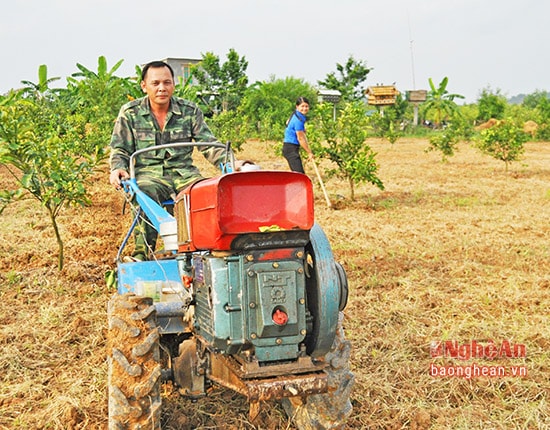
[(279, 317)]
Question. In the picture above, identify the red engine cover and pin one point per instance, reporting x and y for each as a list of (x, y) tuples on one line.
[(221, 208)]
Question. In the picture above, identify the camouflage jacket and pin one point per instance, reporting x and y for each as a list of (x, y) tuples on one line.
[(137, 128)]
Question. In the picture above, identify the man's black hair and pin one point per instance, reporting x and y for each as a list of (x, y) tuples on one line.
[(155, 65)]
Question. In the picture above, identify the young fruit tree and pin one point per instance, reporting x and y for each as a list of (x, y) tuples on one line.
[(52, 140), (446, 141), (346, 144), (504, 141), (42, 149)]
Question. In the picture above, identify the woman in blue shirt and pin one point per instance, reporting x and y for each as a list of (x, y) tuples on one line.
[(295, 136)]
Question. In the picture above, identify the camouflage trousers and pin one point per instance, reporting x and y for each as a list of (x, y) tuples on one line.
[(161, 189)]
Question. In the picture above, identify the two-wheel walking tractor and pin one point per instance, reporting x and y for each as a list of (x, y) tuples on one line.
[(245, 294)]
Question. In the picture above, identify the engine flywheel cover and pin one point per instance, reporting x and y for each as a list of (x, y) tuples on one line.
[(323, 293)]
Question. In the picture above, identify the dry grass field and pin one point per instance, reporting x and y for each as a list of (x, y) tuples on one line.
[(455, 252)]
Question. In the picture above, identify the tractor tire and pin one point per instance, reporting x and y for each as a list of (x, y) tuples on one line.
[(134, 369), (332, 409)]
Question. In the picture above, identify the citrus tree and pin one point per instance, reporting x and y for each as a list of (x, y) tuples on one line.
[(343, 141), (51, 141), (504, 141), (445, 141), (229, 126), (41, 146)]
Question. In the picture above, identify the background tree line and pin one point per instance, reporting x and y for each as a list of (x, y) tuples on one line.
[(52, 138)]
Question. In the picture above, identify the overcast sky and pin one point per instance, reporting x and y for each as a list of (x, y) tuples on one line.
[(477, 44)]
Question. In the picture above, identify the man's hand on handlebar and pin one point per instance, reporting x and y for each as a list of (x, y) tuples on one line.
[(117, 176)]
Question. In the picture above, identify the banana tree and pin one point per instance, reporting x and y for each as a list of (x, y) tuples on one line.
[(41, 88), (440, 103), (97, 96), (95, 86)]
